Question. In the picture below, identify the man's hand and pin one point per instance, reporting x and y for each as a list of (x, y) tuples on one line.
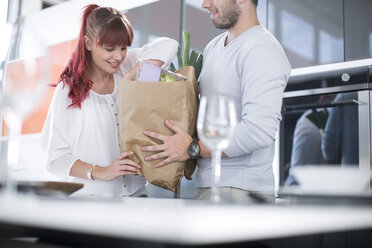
[(173, 149)]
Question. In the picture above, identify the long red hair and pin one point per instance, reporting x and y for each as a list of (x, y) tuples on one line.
[(103, 25)]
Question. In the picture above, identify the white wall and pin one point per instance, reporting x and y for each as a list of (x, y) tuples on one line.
[(61, 22)]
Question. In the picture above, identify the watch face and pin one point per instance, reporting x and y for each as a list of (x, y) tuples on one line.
[(193, 150)]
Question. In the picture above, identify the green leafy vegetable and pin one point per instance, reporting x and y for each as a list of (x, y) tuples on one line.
[(193, 59), (164, 77), (186, 47)]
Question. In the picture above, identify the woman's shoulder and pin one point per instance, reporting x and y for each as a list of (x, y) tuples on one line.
[(61, 88), (61, 93)]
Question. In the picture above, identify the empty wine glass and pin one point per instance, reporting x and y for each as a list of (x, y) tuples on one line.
[(216, 119), (25, 78)]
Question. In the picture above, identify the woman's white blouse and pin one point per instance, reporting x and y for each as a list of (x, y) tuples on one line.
[(91, 133)]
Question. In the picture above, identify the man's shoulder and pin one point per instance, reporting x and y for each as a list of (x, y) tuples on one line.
[(260, 37), (263, 45)]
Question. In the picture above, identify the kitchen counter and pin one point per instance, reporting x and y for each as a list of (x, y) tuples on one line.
[(180, 222)]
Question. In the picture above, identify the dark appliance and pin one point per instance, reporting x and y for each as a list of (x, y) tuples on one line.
[(326, 117)]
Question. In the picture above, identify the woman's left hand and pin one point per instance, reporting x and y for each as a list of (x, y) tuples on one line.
[(173, 149), (132, 74)]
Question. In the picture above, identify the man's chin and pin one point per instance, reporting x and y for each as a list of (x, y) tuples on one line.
[(220, 25), (217, 25)]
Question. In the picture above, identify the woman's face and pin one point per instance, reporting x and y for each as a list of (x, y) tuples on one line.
[(108, 58)]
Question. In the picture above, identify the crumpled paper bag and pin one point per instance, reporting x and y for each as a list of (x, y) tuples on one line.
[(145, 106)]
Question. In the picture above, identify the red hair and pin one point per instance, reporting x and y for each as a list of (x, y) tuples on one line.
[(103, 25)]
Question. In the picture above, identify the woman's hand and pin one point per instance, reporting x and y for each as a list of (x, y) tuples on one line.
[(133, 73), (154, 61), (120, 167)]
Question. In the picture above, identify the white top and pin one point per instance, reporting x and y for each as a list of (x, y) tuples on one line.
[(253, 69), (91, 133)]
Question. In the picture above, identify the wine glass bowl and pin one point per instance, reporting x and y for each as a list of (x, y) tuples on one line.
[(23, 86), (25, 79), (216, 120)]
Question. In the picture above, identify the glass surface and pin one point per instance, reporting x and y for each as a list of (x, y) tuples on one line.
[(322, 129), (329, 48), (311, 32), (358, 29), (216, 120), (370, 44), (161, 18)]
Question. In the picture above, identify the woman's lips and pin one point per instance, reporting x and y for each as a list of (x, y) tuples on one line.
[(114, 65)]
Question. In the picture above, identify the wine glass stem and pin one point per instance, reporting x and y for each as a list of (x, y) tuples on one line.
[(216, 167), (14, 124)]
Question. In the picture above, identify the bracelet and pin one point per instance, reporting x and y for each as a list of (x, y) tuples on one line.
[(89, 173)]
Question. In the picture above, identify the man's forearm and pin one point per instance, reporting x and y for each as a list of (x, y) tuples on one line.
[(205, 152)]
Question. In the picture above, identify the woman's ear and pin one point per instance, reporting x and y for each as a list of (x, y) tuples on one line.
[(88, 43)]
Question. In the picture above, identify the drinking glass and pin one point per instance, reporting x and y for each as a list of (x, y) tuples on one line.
[(25, 78), (216, 119)]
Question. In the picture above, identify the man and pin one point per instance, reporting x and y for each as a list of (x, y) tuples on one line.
[(249, 64)]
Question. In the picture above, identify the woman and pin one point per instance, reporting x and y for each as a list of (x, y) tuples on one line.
[(80, 133)]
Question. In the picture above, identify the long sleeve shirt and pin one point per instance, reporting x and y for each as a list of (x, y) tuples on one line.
[(253, 70)]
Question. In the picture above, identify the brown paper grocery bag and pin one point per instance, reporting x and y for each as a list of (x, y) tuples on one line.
[(145, 106)]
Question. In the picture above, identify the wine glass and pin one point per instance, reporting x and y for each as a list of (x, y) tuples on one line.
[(25, 78), (216, 119)]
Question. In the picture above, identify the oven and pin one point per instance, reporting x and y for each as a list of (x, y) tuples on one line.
[(326, 118)]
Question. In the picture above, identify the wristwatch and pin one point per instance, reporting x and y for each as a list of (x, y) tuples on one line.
[(194, 150)]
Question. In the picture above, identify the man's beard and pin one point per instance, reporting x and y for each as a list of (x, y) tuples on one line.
[(229, 16)]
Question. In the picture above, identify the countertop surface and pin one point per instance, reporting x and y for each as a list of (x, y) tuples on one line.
[(178, 221)]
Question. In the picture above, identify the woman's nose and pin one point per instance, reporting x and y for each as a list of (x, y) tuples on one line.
[(119, 55)]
